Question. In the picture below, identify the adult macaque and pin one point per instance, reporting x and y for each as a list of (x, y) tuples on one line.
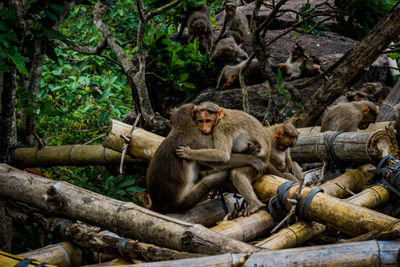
[(172, 182), (349, 117), (199, 26), (357, 96), (232, 130), (284, 136), (300, 63), (397, 123), (227, 52), (235, 24), (230, 74)]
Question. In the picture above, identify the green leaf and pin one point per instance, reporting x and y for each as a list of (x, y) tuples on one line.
[(105, 115)]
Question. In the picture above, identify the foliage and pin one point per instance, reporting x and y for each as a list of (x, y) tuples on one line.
[(357, 17), (181, 65)]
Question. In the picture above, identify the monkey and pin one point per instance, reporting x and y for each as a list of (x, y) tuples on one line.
[(300, 63), (235, 24), (131, 117), (358, 96), (172, 182), (376, 92), (283, 136), (231, 130), (227, 52), (231, 73), (397, 123), (199, 26), (349, 116)]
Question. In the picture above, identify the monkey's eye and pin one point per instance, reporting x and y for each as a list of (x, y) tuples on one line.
[(208, 121)]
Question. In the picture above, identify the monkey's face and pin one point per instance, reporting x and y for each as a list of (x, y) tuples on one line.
[(286, 139), (200, 29), (369, 116), (205, 121), (230, 10)]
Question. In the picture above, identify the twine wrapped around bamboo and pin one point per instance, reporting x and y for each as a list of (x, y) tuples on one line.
[(362, 147), (339, 214), (73, 155)]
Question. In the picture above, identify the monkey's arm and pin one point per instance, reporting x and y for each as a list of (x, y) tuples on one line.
[(221, 33), (239, 160), (293, 167), (272, 170)]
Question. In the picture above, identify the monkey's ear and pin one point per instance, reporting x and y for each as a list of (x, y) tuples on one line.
[(364, 110), (278, 133), (194, 112), (220, 113)]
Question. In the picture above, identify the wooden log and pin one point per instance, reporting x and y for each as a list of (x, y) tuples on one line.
[(117, 216), (7, 259), (336, 213), (6, 228), (367, 253), (371, 128), (143, 144), (72, 155), (386, 111), (208, 212), (62, 254), (362, 147), (259, 223), (302, 231)]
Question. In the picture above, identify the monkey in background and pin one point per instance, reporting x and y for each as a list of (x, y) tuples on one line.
[(172, 182), (232, 130), (349, 117), (227, 52), (235, 23), (283, 137), (199, 26), (397, 123), (300, 63)]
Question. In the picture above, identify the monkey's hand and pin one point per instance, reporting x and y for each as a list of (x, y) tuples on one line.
[(253, 149), (184, 152), (259, 165), (290, 177)]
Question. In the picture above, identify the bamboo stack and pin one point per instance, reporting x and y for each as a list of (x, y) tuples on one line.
[(73, 155), (371, 128)]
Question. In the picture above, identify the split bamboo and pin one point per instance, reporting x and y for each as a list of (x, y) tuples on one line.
[(125, 218), (62, 254), (356, 254), (339, 214), (362, 147), (143, 144), (7, 259), (371, 128), (302, 231), (73, 155)]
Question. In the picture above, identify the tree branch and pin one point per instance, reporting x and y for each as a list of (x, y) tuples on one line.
[(160, 10)]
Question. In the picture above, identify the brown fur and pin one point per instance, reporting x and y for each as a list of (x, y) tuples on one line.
[(199, 26), (236, 25), (347, 117), (232, 133), (284, 135), (229, 74), (227, 52), (300, 63), (173, 182)]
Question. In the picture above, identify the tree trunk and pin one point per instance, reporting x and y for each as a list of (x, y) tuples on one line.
[(6, 227), (362, 147), (123, 218), (72, 155), (7, 116), (386, 112), (355, 62)]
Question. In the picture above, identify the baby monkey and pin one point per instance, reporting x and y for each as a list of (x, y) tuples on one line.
[(300, 63)]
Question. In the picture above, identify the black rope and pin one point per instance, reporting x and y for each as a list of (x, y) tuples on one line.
[(334, 161), (24, 263), (121, 247), (276, 204), (305, 204), (380, 169), (391, 183), (61, 225)]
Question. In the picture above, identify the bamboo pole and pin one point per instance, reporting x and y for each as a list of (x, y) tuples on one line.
[(371, 128), (339, 214), (302, 231), (62, 254), (143, 144), (259, 223), (124, 218), (356, 254), (72, 155), (362, 147), (7, 259)]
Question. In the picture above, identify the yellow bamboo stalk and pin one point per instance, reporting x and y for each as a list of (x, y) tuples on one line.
[(7, 259)]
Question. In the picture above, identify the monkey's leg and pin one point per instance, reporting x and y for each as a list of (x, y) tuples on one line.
[(199, 190), (242, 183), (272, 170)]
